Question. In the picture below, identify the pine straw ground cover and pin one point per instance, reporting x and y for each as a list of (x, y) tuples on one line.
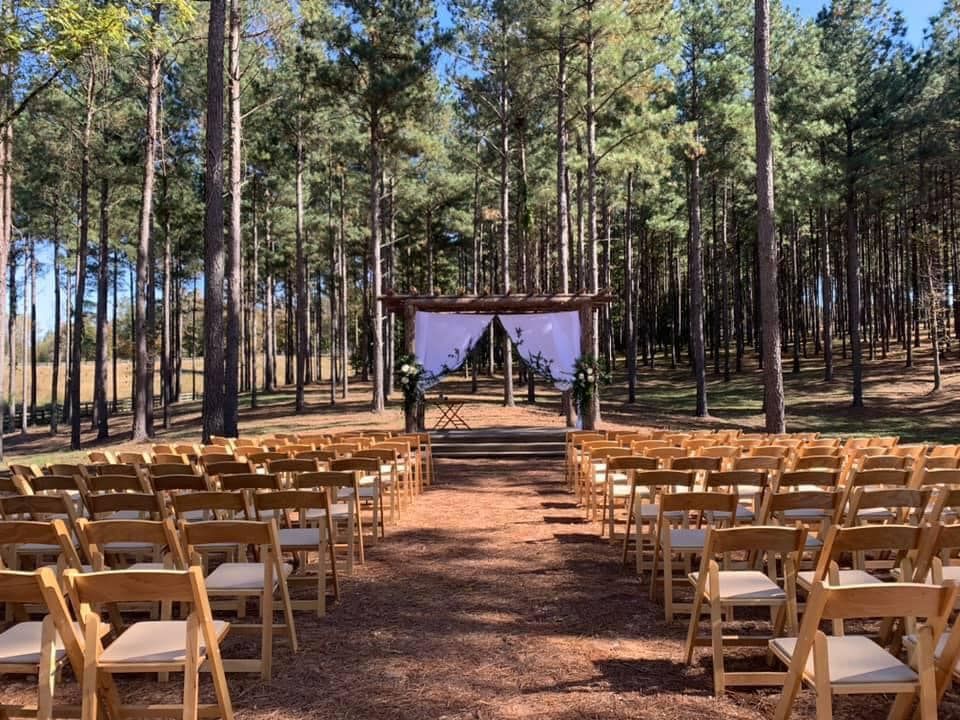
[(492, 599)]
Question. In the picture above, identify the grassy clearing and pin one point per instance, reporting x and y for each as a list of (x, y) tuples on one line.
[(898, 402)]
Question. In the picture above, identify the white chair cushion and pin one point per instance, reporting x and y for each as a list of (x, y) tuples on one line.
[(299, 537), (682, 539), (745, 585), (339, 511), (20, 644), (147, 566), (846, 577), (853, 659), (239, 576), (161, 641)]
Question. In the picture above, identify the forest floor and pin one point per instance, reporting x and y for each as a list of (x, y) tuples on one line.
[(899, 401), (492, 599)]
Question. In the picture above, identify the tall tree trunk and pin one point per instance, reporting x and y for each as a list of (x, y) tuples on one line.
[(563, 236), (934, 325), (166, 358), (167, 390), (55, 360), (504, 113), (269, 311), (629, 331), (113, 329), (343, 319), (25, 345), (101, 415), (766, 241), (143, 384), (33, 330), (234, 292), (7, 75), (377, 401), (82, 245), (695, 265), (213, 358), (853, 277), (254, 294), (593, 280), (303, 347), (826, 285)]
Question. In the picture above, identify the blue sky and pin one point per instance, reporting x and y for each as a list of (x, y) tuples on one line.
[(916, 12)]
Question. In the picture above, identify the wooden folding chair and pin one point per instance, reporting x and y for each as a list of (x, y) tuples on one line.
[(288, 469), (322, 457), (169, 459), (620, 471), (676, 534), (130, 506), (819, 462), (250, 481), (42, 541), (101, 457), (162, 646), (112, 542), (157, 470), (856, 664), (305, 526), (814, 510), (809, 479), (35, 647), (375, 478), (210, 505), (260, 459), (903, 541), (666, 455), (901, 505), (72, 487), (599, 478), (721, 590), (259, 580), (226, 467), (343, 489), (750, 486), (643, 510), (132, 545)]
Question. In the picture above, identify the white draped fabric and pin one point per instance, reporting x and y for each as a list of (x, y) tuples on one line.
[(442, 341), (548, 342)]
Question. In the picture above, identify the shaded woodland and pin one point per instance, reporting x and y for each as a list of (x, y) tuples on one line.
[(241, 180)]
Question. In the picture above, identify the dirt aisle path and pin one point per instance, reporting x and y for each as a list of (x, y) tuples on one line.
[(492, 600)]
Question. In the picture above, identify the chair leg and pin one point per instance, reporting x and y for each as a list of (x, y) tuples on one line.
[(191, 670), (821, 677), (91, 652), (693, 627), (266, 630), (219, 677), (716, 643), (47, 677), (927, 694), (668, 584)]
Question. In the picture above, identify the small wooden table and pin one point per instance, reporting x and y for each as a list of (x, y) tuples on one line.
[(449, 414)]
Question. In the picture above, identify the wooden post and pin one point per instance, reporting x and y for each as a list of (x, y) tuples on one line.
[(591, 416), (412, 417)]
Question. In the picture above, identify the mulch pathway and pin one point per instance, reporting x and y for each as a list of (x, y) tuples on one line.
[(493, 599)]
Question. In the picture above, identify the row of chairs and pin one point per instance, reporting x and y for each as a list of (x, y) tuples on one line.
[(207, 535), (857, 529)]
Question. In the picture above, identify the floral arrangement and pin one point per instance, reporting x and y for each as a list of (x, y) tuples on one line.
[(587, 377), (411, 373)]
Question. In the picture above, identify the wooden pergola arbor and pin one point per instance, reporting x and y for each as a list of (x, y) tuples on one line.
[(584, 303)]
